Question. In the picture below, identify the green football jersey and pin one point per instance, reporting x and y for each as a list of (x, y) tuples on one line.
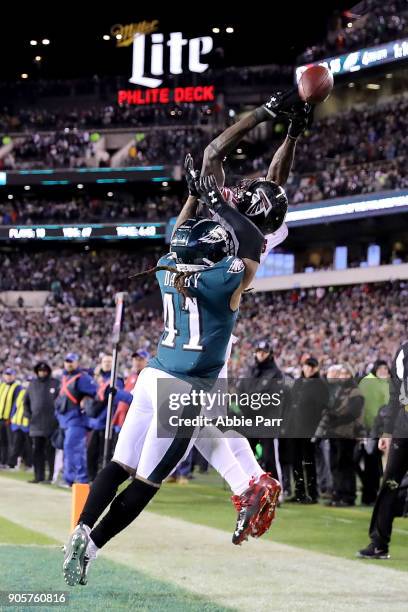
[(197, 329)]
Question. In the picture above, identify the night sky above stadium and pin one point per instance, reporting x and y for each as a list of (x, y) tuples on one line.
[(271, 33)]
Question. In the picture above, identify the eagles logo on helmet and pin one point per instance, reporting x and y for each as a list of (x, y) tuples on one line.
[(216, 234), (264, 202), (201, 242)]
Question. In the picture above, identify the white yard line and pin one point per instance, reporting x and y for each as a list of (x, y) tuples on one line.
[(259, 575)]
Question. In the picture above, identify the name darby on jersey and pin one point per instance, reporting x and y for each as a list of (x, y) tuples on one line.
[(190, 281)]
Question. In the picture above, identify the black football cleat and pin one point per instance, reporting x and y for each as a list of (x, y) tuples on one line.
[(373, 552)]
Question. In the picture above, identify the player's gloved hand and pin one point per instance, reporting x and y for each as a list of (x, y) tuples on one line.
[(279, 103), (191, 175), (300, 120), (209, 192)]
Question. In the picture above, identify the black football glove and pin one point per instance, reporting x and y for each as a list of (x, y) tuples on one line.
[(191, 175), (209, 192), (301, 119), (279, 103)]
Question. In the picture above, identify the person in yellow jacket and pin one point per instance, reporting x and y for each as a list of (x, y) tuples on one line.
[(9, 390), (19, 425)]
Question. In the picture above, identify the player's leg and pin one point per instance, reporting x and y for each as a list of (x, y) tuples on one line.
[(158, 458), (255, 496), (243, 453), (104, 488), (215, 448), (383, 513)]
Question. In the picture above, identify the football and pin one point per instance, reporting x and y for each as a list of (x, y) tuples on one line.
[(315, 84)]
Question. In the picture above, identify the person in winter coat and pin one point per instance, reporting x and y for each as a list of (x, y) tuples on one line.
[(342, 422), (76, 386), (39, 408)]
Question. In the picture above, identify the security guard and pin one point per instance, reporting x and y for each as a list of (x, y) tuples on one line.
[(394, 440), (9, 390), (75, 386), (19, 425)]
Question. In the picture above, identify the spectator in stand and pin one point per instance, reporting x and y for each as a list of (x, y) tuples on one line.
[(379, 22), (39, 408)]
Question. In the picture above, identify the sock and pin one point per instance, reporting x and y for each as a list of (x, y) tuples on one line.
[(103, 490), (243, 453), (123, 510), (214, 447), (92, 549)]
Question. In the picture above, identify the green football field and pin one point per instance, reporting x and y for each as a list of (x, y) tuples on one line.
[(30, 559)]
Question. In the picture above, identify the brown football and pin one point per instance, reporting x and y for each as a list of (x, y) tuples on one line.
[(315, 84)]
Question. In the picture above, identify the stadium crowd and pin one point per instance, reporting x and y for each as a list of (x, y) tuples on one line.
[(86, 208), (103, 117), (86, 279), (360, 151), (348, 333), (379, 23), (60, 149), (355, 325)]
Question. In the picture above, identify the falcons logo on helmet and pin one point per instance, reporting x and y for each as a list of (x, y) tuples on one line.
[(260, 203), (217, 234)]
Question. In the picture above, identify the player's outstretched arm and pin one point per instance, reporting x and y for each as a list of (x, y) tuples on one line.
[(249, 237), (226, 142), (282, 161), (189, 209)]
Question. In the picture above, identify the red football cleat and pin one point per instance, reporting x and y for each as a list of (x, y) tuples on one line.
[(253, 502), (266, 516)]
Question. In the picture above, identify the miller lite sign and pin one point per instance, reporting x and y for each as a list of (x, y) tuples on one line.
[(151, 53)]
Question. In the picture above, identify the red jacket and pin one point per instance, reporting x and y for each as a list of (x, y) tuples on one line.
[(122, 408)]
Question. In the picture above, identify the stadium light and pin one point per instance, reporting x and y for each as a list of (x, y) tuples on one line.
[(216, 30), (33, 43), (106, 37), (45, 41), (27, 187), (80, 186), (229, 30), (24, 75), (10, 196)]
